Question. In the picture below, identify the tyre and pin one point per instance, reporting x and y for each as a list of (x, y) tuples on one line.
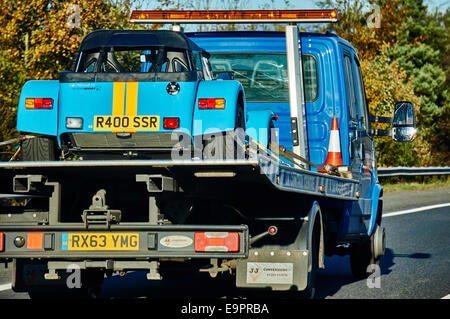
[(39, 148), (227, 145), (310, 291), (367, 253)]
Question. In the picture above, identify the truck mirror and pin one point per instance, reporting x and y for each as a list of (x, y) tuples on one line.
[(227, 75), (404, 122)]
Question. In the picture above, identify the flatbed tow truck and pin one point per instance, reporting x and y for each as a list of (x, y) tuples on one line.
[(267, 216)]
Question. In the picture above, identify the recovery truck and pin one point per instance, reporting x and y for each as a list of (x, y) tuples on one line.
[(175, 152)]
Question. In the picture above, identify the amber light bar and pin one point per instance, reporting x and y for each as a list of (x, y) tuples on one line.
[(234, 16)]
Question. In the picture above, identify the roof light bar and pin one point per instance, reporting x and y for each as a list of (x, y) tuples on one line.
[(234, 16)]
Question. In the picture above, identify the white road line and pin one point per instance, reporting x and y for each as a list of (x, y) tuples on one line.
[(5, 287), (446, 297), (415, 210)]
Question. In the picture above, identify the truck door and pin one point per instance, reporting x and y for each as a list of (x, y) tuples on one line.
[(366, 141), (354, 141), (359, 145)]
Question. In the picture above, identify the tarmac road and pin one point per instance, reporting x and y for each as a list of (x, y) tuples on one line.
[(416, 263)]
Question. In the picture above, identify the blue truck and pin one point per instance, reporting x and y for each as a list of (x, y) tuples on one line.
[(175, 152)]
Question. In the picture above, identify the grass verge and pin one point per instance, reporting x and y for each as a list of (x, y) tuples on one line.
[(414, 185)]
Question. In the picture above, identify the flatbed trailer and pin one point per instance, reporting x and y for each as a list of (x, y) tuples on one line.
[(204, 181)]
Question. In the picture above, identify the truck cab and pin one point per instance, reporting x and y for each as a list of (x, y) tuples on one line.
[(333, 87)]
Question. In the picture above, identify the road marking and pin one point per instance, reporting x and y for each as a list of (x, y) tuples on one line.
[(415, 210), (446, 297), (5, 287)]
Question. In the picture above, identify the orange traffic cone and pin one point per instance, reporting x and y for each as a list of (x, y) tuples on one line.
[(334, 147)]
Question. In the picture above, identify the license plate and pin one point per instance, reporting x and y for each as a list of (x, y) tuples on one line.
[(126, 123), (100, 241)]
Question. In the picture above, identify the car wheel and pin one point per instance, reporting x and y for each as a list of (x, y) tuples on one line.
[(227, 145), (39, 148)]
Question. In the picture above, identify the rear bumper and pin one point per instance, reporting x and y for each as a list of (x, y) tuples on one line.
[(134, 241), (154, 142)]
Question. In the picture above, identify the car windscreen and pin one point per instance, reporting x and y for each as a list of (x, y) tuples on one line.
[(133, 60), (264, 76)]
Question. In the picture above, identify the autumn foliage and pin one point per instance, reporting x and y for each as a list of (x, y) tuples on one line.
[(39, 39)]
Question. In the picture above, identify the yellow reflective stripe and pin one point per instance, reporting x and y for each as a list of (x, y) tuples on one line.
[(118, 98), (131, 100)]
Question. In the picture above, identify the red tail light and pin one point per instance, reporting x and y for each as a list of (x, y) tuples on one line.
[(216, 241), (39, 103), (2, 245), (211, 103), (171, 122)]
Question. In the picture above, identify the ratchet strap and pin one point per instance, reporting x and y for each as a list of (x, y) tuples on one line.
[(292, 157), (329, 169), (16, 140)]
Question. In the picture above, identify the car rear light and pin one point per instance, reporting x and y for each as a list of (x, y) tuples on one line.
[(39, 103), (211, 104), (74, 122), (171, 122), (216, 241), (2, 241), (34, 240)]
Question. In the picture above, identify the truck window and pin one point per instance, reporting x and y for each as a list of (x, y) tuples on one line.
[(310, 77), (362, 104), (350, 88), (264, 76)]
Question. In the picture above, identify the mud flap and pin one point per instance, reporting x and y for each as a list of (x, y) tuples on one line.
[(274, 269)]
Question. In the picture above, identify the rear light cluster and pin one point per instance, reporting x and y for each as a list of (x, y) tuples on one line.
[(211, 104), (2, 242), (217, 241), (34, 240), (39, 103), (171, 122)]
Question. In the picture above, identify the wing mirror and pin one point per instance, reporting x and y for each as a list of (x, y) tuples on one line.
[(404, 122)]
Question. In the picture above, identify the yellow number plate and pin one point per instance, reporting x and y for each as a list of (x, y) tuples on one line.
[(126, 123), (100, 241)]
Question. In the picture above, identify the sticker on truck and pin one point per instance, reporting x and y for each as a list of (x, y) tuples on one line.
[(270, 273)]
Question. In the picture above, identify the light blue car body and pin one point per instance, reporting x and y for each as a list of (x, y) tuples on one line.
[(92, 97)]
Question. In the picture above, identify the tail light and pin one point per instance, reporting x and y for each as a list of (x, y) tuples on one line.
[(171, 122), (34, 240), (39, 103), (211, 103), (2, 242), (216, 241)]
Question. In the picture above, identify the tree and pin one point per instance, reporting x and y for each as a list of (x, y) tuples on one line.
[(39, 39)]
